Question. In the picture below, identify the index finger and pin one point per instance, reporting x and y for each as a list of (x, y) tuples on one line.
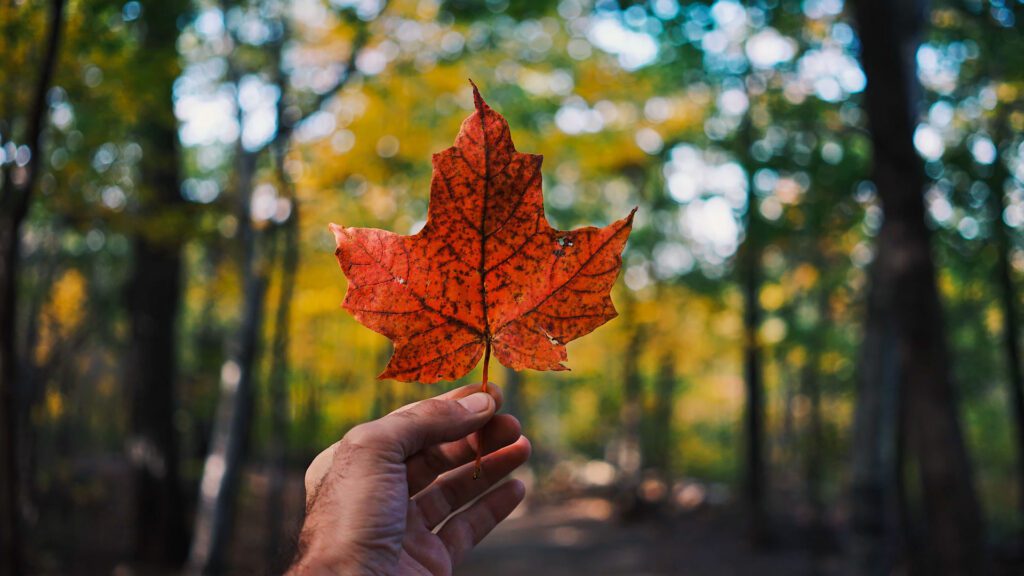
[(322, 462), (461, 392)]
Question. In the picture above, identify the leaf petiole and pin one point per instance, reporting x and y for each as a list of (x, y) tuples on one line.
[(480, 436)]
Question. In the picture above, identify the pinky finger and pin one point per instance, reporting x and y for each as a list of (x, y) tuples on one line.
[(465, 530)]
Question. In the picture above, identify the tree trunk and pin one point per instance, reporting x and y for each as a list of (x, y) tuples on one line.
[(513, 392), (629, 453), (819, 205), (222, 470), (877, 437), (278, 387), (33, 376), (153, 296), (278, 383), (755, 477), (811, 385), (11, 552), (1008, 301), (665, 396), (905, 346), (15, 199)]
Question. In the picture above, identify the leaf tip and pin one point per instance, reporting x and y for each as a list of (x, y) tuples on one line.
[(338, 232), (478, 100)]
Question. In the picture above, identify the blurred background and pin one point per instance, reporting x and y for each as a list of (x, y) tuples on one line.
[(815, 369)]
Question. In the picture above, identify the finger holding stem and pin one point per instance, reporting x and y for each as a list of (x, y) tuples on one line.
[(479, 435)]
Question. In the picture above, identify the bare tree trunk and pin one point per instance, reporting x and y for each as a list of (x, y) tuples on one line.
[(279, 407), (11, 552), (32, 374), (153, 296), (876, 516), (755, 476), (623, 448), (665, 403), (513, 392), (819, 207), (279, 394), (381, 396), (1008, 300), (15, 199), (629, 454), (905, 307), (811, 384), (222, 470)]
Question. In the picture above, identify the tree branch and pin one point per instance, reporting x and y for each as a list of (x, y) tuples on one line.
[(284, 127), (21, 194)]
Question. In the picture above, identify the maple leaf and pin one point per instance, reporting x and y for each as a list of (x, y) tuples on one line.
[(486, 271)]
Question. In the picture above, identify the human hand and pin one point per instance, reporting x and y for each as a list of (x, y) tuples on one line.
[(375, 498)]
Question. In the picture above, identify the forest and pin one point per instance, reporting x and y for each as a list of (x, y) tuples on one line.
[(816, 365)]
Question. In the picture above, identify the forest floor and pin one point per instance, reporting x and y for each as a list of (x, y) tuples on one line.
[(565, 535), (570, 535), (580, 537)]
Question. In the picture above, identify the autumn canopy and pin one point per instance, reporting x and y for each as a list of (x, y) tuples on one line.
[(486, 271)]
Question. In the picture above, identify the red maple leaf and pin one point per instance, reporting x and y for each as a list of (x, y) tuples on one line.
[(486, 271)]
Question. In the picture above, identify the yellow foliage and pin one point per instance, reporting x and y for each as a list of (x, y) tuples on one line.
[(54, 404), (947, 286), (833, 362), (945, 18), (994, 320), (1017, 121), (773, 331), (773, 296), (62, 313), (805, 277), (797, 357), (1007, 92)]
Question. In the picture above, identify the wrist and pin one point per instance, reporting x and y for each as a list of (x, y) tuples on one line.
[(318, 559), (312, 566), (315, 559)]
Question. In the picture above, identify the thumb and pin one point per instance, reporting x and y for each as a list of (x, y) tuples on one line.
[(406, 431)]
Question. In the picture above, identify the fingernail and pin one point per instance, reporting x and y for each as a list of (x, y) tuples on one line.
[(477, 402)]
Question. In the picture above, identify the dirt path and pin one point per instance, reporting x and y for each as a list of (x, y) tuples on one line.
[(580, 537)]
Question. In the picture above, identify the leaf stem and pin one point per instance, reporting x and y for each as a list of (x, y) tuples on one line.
[(487, 360), (480, 435)]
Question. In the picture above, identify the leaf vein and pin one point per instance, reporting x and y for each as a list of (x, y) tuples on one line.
[(573, 277), (418, 297)]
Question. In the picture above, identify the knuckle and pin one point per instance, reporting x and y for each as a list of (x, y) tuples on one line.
[(435, 461), (462, 539), (317, 470), (362, 436), (311, 477), (310, 482), (432, 409)]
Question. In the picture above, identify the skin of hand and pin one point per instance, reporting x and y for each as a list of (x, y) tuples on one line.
[(375, 499)]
